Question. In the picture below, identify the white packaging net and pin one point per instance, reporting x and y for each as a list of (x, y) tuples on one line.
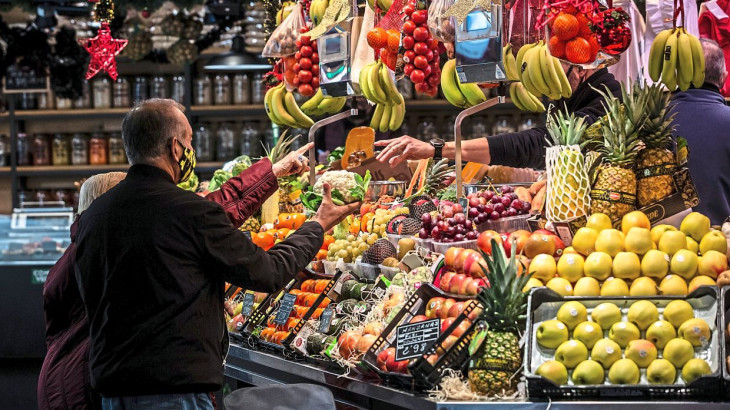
[(568, 190)]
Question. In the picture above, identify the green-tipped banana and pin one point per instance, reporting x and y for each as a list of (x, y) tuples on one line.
[(473, 93), (310, 106), (388, 84), (332, 105), (565, 90), (532, 58), (656, 55), (449, 85), (536, 102), (377, 116), (669, 68), (385, 119), (302, 120), (277, 103), (520, 56), (524, 96), (513, 96), (698, 61), (376, 86)]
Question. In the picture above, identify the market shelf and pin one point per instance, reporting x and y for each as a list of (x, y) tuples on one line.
[(70, 114), (37, 170), (226, 110), (5, 170), (440, 104), (259, 368)]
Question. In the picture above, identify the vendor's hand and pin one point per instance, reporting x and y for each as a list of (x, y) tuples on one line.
[(328, 215), (295, 163), (400, 149)]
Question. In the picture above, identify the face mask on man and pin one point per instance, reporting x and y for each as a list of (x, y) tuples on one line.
[(187, 163)]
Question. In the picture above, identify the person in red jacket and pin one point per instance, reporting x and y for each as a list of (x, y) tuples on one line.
[(64, 381)]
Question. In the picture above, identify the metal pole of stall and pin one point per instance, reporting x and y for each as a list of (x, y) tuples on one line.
[(317, 125)]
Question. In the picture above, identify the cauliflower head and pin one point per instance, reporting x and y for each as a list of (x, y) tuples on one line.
[(342, 181)]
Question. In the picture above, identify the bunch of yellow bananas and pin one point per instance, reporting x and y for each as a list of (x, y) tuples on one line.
[(523, 99), (378, 85), (540, 73), (316, 11), (677, 58), (458, 94), (282, 109), (388, 117), (321, 105)]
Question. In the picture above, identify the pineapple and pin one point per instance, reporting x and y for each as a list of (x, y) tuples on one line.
[(436, 177), (495, 363), (655, 163), (251, 224), (614, 192), (568, 194)]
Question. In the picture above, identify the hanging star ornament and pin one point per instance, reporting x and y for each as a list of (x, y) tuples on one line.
[(103, 48)]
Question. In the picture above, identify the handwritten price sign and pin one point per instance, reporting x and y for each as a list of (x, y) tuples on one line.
[(414, 339)]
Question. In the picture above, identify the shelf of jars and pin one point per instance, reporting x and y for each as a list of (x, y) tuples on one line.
[(44, 170)]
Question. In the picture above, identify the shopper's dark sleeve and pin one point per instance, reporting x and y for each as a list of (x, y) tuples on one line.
[(242, 195), (239, 261)]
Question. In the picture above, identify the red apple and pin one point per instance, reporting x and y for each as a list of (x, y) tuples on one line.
[(456, 282), (394, 366), (456, 309), (462, 328), (474, 314), (446, 323), (384, 356), (461, 259), (446, 344), (433, 306), (479, 269), (471, 287), (443, 311), (539, 243), (506, 244), (484, 242), (418, 318), (457, 208), (445, 280), (471, 259), (402, 367), (450, 256), (559, 245), (520, 237)]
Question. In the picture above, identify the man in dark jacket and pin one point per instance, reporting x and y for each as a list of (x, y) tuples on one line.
[(703, 119), (525, 149), (152, 261)]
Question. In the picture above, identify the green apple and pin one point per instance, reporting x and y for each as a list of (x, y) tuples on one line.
[(641, 351), (571, 353), (588, 333), (626, 265), (678, 351), (695, 225), (655, 264), (643, 313), (623, 332), (713, 241), (624, 371), (661, 371), (606, 314), (588, 372), (658, 231), (587, 287), (671, 242), (638, 240), (677, 312), (660, 332), (551, 333), (643, 286), (696, 331), (606, 352), (684, 263), (554, 371), (693, 246), (693, 369), (571, 313)]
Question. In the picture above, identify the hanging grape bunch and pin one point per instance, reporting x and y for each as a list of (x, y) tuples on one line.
[(140, 44), (307, 66), (613, 31), (173, 24), (421, 55)]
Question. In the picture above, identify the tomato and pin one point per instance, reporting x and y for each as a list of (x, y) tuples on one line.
[(264, 240), (306, 51), (305, 89), (417, 76), (408, 27), (421, 34), (305, 76), (408, 42), (420, 62), (419, 16)]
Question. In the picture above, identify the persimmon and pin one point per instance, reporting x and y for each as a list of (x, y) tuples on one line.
[(320, 285), (308, 285)]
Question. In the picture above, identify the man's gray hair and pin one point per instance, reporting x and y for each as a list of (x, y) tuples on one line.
[(147, 128), (714, 62)]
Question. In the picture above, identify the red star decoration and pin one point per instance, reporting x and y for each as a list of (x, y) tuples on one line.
[(103, 48)]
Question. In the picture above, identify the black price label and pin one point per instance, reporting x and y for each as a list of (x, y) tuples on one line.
[(325, 319), (414, 339), (248, 299), (285, 307), (24, 79)]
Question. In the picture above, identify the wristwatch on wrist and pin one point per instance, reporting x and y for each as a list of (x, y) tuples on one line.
[(438, 146)]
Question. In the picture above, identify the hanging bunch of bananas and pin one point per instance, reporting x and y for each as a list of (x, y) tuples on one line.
[(677, 58), (378, 85), (458, 94), (389, 117), (523, 99), (316, 11), (541, 73), (510, 64), (321, 105), (282, 109)]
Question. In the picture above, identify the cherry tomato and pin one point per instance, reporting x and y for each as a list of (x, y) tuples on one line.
[(307, 51), (420, 48), (306, 89), (408, 42), (429, 56), (420, 34), (420, 62), (408, 27), (409, 56), (306, 64), (409, 9), (305, 76), (419, 16), (417, 76), (408, 69)]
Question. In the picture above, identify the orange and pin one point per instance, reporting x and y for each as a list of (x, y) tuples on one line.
[(393, 41), (557, 47), (565, 26), (377, 38), (578, 51)]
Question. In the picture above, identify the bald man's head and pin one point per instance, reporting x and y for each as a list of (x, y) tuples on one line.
[(715, 70)]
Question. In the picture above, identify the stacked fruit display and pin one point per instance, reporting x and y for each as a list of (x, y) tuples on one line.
[(421, 55), (235, 322), (350, 248), (589, 342), (504, 202), (637, 260), (440, 228), (377, 222), (465, 272), (306, 297)]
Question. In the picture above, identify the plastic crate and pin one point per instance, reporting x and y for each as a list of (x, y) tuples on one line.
[(706, 387), (724, 349), (509, 224), (441, 247), (414, 306)]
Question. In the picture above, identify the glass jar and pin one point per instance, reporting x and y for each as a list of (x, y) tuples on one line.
[(203, 143), (45, 101), (158, 87), (84, 100), (64, 103), (250, 139), (502, 125), (178, 89), (140, 90), (241, 89), (60, 150), (116, 149), (528, 122), (79, 149), (225, 143), (222, 90), (102, 93), (4, 150), (97, 149), (121, 93), (202, 91), (23, 149), (27, 101), (41, 150), (258, 89)]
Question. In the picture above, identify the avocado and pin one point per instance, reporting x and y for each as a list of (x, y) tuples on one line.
[(347, 288)]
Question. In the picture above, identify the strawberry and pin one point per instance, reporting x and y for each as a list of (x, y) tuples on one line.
[(578, 51), (557, 47), (565, 26)]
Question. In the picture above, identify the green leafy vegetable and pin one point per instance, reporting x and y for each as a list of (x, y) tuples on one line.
[(219, 178)]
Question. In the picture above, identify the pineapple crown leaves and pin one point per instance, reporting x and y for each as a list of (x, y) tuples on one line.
[(620, 128), (281, 148), (565, 129), (437, 176), (504, 303), (659, 124)]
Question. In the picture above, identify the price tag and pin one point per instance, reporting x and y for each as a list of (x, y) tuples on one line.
[(248, 299), (285, 307), (414, 339), (325, 319)]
